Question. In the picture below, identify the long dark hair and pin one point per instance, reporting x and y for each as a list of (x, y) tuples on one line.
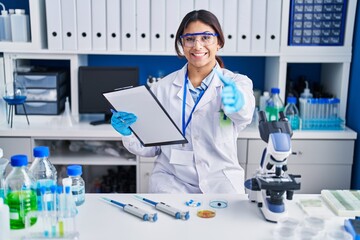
[(207, 18)]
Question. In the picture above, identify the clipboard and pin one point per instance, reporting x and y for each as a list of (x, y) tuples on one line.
[(154, 126)]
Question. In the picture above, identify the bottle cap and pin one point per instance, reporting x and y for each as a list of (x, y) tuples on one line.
[(4, 13), (41, 151), (275, 90), (18, 11), (291, 100), (266, 93), (74, 170), (19, 160)]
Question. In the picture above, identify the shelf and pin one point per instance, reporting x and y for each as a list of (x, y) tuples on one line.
[(89, 159)]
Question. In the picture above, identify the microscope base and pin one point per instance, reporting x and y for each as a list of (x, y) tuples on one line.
[(270, 214)]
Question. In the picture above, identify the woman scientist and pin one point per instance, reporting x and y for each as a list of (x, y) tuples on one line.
[(209, 103)]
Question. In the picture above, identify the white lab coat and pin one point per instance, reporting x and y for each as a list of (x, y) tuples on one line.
[(208, 163)]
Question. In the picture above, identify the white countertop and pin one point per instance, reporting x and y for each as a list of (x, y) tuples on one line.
[(240, 220), (56, 127)]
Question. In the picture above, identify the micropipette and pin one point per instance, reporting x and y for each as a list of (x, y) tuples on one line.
[(134, 210), (178, 214)]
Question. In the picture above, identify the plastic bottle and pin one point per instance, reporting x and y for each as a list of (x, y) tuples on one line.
[(307, 106), (43, 171), (274, 105), (292, 113), (5, 26), (77, 183), (263, 100), (19, 195), (4, 221), (3, 164), (20, 29)]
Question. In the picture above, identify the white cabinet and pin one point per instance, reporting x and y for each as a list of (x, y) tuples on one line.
[(15, 145), (322, 164)]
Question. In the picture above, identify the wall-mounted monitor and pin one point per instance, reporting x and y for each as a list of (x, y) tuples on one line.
[(94, 81)]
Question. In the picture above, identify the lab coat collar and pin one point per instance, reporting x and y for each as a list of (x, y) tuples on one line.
[(209, 94)]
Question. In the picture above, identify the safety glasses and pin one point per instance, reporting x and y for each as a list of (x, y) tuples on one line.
[(204, 38)]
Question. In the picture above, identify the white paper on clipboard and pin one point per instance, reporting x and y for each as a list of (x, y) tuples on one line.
[(153, 126)]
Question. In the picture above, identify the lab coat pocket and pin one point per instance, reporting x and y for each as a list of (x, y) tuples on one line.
[(236, 177), (223, 128), (182, 157)]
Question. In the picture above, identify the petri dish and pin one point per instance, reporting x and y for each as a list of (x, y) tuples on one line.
[(218, 203), (288, 222), (282, 232), (205, 213), (307, 233), (316, 223), (338, 234)]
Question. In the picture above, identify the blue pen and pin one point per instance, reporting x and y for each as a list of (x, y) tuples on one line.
[(133, 210), (178, 214)]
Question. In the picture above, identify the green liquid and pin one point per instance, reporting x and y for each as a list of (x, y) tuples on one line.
[(272, 113), (20, 203)]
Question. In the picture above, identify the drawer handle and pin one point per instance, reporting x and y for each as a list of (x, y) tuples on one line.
[(297, 153), (35, 104), (35, 78)]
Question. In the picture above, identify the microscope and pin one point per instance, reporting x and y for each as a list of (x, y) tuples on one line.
[(271, 181)]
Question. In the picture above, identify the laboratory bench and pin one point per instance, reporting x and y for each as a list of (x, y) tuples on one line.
[(323, 158), (241, 219)]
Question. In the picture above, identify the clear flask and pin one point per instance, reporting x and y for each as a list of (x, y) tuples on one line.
[(77, 183), (274, 105), (3, 165), (292, 113), (263, 100), (19, 194), (43, 171), (4, 221)]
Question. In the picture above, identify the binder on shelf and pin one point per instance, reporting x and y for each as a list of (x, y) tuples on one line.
[(273, 25), (201, 4), (157, 25), (244, 26), (186, 6), (230, 25), (172, 15), (98, 11), (128, 25), (143, 25), (54, 24), (258, 24), (83, 18), (69, 25), (113, 25), (217, 8)]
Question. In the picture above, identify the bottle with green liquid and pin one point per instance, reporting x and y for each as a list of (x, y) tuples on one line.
[(274, 105), (19, 193)]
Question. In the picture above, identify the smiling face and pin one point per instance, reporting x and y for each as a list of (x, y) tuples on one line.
[(200, 58)]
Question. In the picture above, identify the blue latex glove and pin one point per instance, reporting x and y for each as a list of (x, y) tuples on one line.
[(121, 122), (232, 99)]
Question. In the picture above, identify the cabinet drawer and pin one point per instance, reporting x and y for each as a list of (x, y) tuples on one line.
[(41, 108), (12, 146), (310, 151), (44, 94), (41, 80)]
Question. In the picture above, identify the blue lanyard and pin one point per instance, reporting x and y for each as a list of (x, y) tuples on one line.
[(185, 124)]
